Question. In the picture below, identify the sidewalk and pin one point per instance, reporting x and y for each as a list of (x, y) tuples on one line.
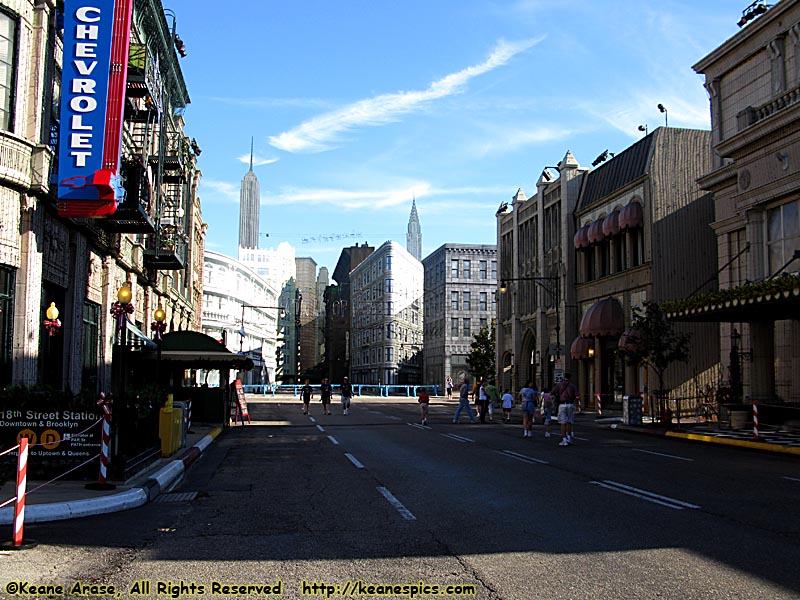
[(70, 499), (780, 440)]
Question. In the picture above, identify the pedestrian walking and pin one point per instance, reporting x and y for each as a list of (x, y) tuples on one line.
[(448, 386), (424, 400), (325, 393), (463, 402), (494, 397), (306, 393), (547, 412), (347, 393), (508, 404), (565, 394), (528, 396)]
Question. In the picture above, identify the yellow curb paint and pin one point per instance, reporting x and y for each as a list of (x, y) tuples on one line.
[(740, 443), (215, 432)]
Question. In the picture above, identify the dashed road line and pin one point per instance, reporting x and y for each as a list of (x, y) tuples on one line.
[(418, 426), (354, 460), (321, 428), (312, 419), (664, 455), (334, 440), (457, 438), (644, 495), (792, 478), (523, 457), (404, 512)]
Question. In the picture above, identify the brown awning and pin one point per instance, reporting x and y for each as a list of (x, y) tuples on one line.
[(603, 319), (596, 231), (611, 224), (631, 216), (582, 237), (580, 348)]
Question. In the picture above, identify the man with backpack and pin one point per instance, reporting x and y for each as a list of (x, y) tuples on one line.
[(565, 393)]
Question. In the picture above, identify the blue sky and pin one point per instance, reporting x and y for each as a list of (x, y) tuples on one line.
[(356, 107)]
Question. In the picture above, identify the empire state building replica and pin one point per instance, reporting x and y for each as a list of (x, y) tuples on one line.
[(414, 235), (249, 198)]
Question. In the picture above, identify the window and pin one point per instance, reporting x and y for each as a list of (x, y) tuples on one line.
[(389, 262), (7, 281), (467, 269), (467, 328), (783, 237), (454, 300), (454, 327), (494, 269), (91, 336), (484, 269), (8, 61), (389, 308), (484, 323), (388, 284), (483, 301), (389, 354), (466, 300), (454, 268)]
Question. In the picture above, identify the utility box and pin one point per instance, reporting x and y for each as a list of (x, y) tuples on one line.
[(632, 410), (170, 424)]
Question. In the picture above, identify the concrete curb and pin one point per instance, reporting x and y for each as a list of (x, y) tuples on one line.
[(166, 478), (711, 439)]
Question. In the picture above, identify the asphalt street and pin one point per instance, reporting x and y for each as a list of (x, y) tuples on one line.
[(377, 498)]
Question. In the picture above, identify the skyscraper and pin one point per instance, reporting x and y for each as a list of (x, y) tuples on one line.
[(249, 199), (414, 235)]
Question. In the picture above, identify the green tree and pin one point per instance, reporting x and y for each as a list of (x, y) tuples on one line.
[(481, 359), (653, 341)]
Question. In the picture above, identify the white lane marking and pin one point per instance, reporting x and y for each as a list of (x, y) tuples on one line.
[(457, 438), (645, 495), (404, 512), (523, 457), (575, 437), (394, 417), (418, 426), (354, 460), (334, 440), (321, 428), (312, 419), (664, 455), (792, 478)]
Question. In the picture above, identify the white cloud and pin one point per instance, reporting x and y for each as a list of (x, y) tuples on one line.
[(319, 133), (228, 191), (434, 200), (257, 161)]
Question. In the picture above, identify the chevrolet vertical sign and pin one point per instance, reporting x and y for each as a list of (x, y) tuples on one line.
[(94, 31)]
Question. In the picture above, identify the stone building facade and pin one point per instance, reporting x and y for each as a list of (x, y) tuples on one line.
[(753, 81), (460, 300), (154, 240)]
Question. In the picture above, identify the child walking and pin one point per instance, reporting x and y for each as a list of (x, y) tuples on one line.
[(424, 401), (508, 404)]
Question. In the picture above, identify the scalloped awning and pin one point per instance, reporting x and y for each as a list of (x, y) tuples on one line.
[(603, 319), (631, 216), (611, 224), (596, 231), (581, 238), (580, 348)]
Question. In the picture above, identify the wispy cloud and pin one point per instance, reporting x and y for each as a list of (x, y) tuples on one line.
[(267, 102), (432, 198), (320, 133), (257, 160), (225, 190)]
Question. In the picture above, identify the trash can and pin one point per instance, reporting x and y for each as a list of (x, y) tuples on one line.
[(632, 410), (170, 426)]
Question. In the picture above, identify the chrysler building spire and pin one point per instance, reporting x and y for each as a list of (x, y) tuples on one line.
[(249, 200), (414, 236)]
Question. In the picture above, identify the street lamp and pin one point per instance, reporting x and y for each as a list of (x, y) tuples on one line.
[(555, 294), (51, 323)]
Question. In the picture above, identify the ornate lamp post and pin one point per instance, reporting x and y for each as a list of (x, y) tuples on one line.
[(120, 311), (159, 326)]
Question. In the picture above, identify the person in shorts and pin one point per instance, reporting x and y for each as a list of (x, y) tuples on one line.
[(347, 394), (566, 393), (448, 386), (424, 401), (528, 396), (546, 410), (325, 392), (508, 404), (307, 393)]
